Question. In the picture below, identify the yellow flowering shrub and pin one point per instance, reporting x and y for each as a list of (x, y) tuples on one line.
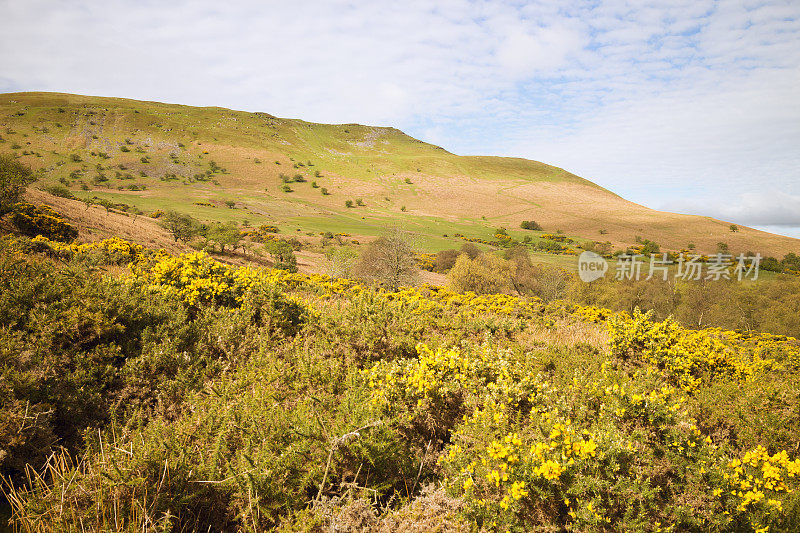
[(689, 357), (426, 261), (195, 278), (429, 391), (439, 373), (590, 456), (590, 313), (387, 391), (33, 220), (113, 251), (756, 484)]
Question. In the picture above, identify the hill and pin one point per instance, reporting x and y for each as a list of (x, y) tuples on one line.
[(218, 164)]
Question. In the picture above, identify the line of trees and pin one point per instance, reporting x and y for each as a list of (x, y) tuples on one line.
[(226, 235)]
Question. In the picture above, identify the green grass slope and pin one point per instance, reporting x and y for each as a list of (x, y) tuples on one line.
[(152, 156)]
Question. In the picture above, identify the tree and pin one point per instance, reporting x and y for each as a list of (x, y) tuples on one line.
[(14, 178), (545, 282), (283, 255), (550, 283), (486, 274), (790, 261), (388, 261), (340, 261), (771, 264), (471, 250), (445, 259), (226, 234), (531, 225), (649, 247), (182, 226)]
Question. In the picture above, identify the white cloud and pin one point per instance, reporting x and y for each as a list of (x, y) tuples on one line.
[(770, 207), (789, 231), (523, 54)]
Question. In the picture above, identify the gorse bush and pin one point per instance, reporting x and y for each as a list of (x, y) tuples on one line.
[(113, 251), (60, 191), (196, 279), (76, 333), (190, 395), (41, 220), (591, 455), (713, 364), (83, 337), (690, 358)]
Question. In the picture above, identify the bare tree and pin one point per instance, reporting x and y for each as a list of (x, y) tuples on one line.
[(389, 261)]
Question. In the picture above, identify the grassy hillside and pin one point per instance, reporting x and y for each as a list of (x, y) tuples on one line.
[(153, 156)]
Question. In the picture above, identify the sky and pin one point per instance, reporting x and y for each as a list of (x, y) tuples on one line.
[(690, 106)]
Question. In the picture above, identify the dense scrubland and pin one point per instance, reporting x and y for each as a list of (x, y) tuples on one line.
[(142, 390)]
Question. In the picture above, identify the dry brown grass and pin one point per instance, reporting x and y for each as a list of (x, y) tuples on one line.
[(95, 223), (433, 511), (563, 333)]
